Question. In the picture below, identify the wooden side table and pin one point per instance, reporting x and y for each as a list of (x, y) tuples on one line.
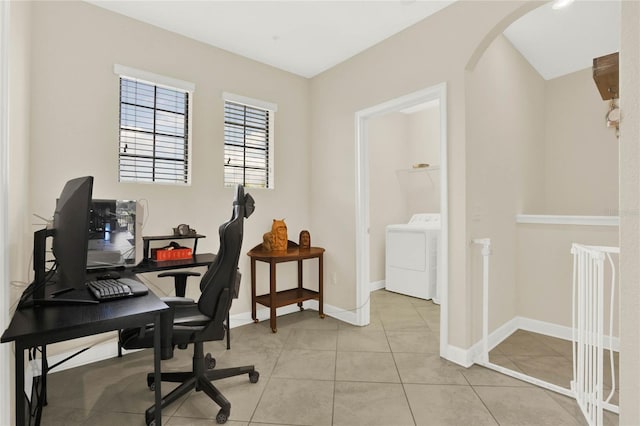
[(276, 299)]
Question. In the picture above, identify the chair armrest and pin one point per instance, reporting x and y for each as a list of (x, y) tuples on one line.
[(179, 280), (179, 274), (173, 301)]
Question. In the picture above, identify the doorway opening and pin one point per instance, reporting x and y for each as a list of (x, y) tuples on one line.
[(435, 94)]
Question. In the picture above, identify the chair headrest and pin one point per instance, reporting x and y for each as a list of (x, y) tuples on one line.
[(244, 201)]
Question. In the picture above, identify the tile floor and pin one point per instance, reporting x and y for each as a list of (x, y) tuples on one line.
[(324, 372)]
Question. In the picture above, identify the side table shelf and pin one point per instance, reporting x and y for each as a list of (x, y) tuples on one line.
[(276, 299)]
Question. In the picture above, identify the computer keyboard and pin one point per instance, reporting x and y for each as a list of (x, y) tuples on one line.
[(109, 289)]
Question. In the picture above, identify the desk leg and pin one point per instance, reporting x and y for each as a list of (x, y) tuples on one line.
[(272, 296), (20, 408), (253, 290), (300, 282), (320, 285), (156, 369), (45, 372)]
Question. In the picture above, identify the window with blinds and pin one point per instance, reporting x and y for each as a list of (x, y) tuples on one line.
[(154, 133), (247, 145)]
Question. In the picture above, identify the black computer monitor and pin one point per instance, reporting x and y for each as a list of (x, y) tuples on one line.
[(71, 231)]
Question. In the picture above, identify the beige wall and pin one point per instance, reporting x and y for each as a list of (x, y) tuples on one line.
[(74, 126), (423, 187), (433, 51), (629, 215), (505, 128), (20, 218), (388, 147), (581, 158), (396, 142), (545, 269), (18, 209)]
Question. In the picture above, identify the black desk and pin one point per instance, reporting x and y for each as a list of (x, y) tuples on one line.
[(41, 326)]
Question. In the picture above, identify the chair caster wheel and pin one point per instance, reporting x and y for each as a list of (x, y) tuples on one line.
[(209, 362), (221, 417), (254, 376), (151, 382)]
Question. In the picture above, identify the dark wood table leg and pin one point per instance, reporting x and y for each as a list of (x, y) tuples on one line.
[(253, 290), (300, 282), (320, 285), (272, 296)]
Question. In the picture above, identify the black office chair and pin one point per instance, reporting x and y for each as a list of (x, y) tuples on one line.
[(202, 321)]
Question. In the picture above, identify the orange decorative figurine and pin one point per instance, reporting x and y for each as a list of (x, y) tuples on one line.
[(280, 237)]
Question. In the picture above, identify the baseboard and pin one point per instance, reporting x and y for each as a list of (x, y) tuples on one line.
[(377, 285), (467, 357), (458, 355), (560, 331)]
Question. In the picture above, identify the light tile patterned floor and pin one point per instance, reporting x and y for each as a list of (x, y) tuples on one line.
[(324, 372)]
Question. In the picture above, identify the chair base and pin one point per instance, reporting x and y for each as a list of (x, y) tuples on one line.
[(199, 380)]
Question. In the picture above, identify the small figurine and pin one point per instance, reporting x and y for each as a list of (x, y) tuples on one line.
[(305, 239), (280, 237), (267, 241)]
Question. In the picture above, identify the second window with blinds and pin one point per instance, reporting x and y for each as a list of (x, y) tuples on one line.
[(248, 142)]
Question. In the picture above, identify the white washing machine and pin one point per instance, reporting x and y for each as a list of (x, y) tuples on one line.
[(412, 253)]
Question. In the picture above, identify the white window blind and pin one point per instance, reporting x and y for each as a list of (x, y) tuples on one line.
[(154, 132), (248, 144)]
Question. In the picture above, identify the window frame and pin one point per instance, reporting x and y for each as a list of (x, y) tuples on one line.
[(271, 108), (165, 82)]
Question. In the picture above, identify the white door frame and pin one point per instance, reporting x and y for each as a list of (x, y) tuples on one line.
[(439, 93), (5, 352)]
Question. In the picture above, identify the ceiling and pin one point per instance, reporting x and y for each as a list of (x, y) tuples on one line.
[(309, 37), (559, 42)]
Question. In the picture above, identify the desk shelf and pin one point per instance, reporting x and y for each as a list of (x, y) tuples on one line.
[(147, 243)]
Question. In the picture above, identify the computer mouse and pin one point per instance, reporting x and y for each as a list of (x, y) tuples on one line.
[(109, 276)]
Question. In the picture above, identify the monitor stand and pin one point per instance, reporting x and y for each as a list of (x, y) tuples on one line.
[(39, 259)]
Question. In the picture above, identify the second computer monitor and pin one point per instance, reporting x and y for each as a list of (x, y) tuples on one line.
[(115, 234)]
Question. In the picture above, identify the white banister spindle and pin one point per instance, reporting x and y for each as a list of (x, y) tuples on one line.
[(486, 252)]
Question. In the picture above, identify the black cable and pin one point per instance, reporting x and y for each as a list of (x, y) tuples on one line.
[(31, 288)]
